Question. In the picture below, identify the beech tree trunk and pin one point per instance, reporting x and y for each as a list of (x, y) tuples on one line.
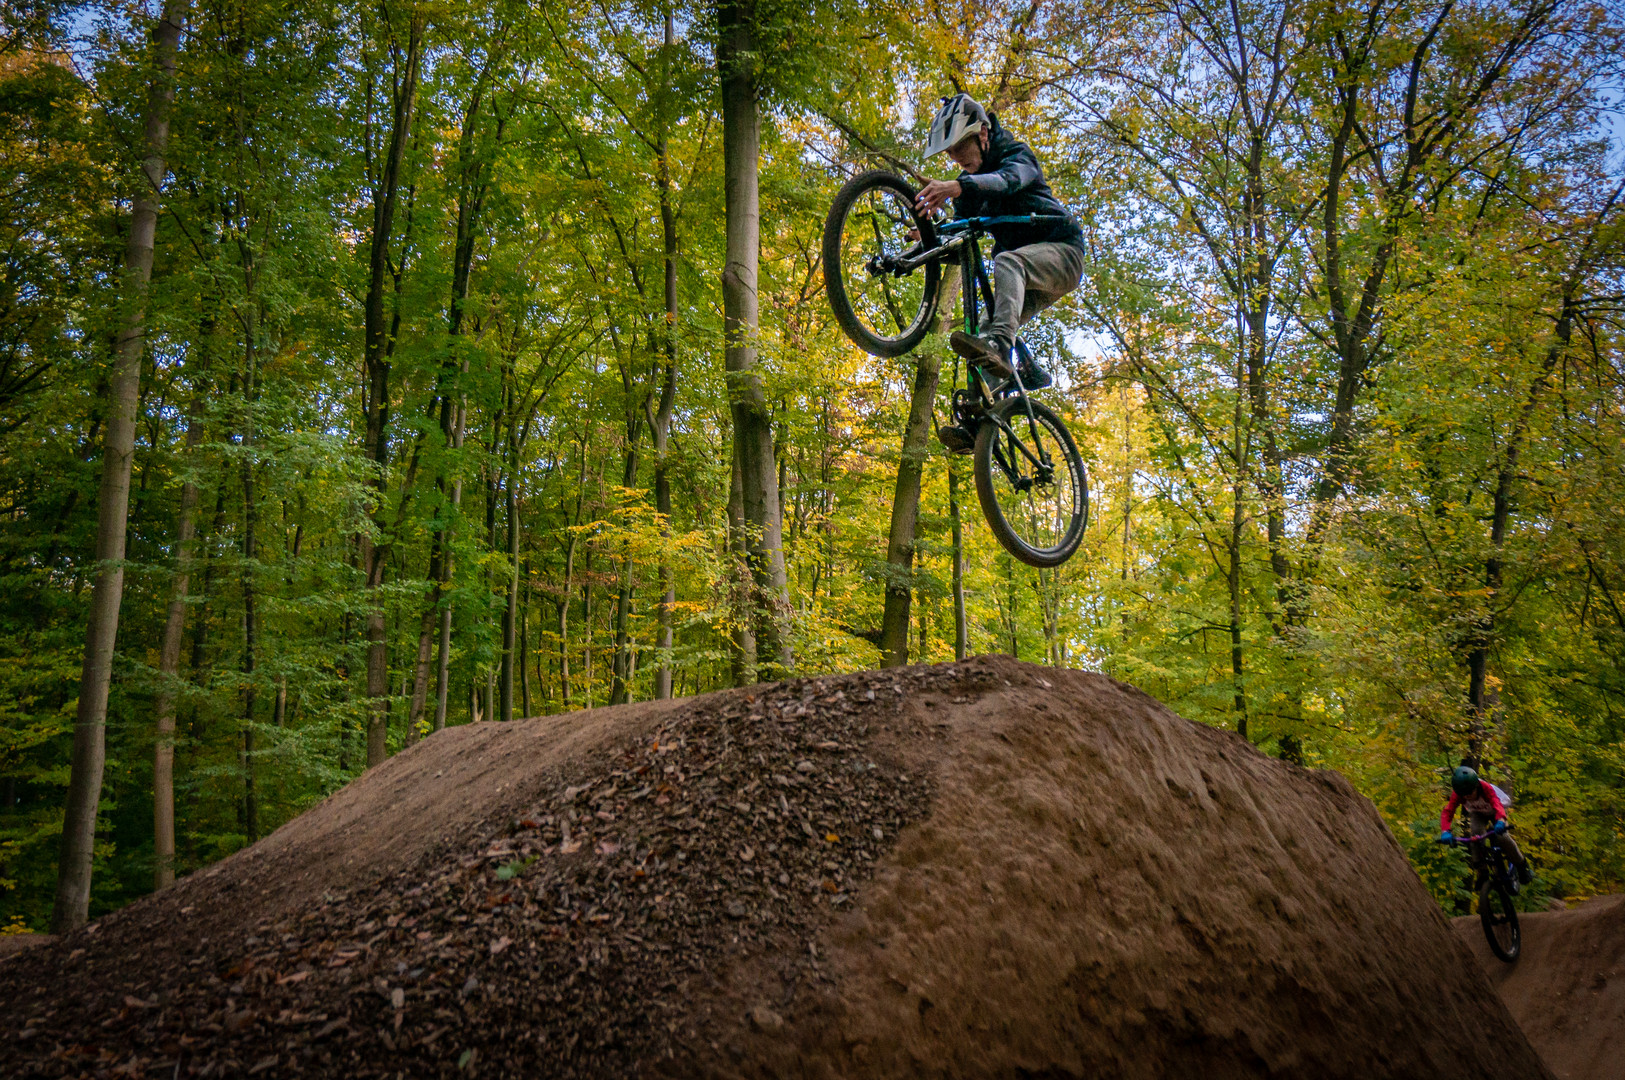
[(620, 685), (378, 346), (72, 904), (960, 636), (905, 507), (752, 421), (169, 663), (442, 686), (473, 182), (660, 423), (524, 646), (1480, 700), (1238, 521), (564, 620), (742, 642), (420, 665), (510, 616), (251, 816)]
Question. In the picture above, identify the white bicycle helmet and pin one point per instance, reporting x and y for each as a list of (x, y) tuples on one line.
[(959, 116)]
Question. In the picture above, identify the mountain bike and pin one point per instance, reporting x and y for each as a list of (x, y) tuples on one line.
[(883, 265), (1495, 885)]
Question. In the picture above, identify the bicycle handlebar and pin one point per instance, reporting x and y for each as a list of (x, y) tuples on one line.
[(961, 224), (1471, 839), (956, 234)]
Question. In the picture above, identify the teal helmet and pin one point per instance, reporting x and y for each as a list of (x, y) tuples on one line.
[(1463, 781)]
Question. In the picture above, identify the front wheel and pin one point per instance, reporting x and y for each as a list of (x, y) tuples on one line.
[(1031, 482), (1500, 920), (871, 228)]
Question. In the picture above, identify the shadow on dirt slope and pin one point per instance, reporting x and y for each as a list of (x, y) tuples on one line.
[(985, 869), (1567, 990)]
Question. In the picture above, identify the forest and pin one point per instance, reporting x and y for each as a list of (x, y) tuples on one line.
[(376, 366)]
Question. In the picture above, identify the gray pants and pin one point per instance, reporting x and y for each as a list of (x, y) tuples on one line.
[(1028, 280)]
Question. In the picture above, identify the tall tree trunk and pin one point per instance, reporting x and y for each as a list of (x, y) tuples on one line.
[(620, 690), (341, 669), (511, 610), (586, 626), (564, 620), (200, 628), (737, 57), (250, 612), (420, 665), (473, 178), (660, 423), (169, 660), (961, 637), (905, 506), (442, 686), (524, 646), (378, 345), (72, 904), (1128, 523), (1233, 582), (1479, 698), (742, 642)]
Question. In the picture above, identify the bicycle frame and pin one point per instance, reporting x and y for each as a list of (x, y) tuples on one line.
[(1488, 863), (963, 241)]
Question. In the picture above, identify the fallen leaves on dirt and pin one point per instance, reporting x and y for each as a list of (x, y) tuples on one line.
[(572, 940)]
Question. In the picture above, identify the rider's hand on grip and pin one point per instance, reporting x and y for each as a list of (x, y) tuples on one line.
[(1447, 837)]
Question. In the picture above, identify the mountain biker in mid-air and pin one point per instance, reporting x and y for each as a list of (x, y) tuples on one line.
[(1485, 813), (1034, 264)]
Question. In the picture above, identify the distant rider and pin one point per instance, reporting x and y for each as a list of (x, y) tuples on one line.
[(1484, 814), (1034, 264)]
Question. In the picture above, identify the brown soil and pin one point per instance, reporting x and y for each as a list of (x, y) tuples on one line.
[(980, 869), (1567, 989)]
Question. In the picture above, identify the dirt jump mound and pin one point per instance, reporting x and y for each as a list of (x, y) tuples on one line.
[(1567, 989), (984, 869)]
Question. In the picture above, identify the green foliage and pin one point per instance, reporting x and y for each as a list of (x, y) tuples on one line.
[(1310, 536)]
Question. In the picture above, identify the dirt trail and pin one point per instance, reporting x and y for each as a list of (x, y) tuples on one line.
[(1567, 989), (984, 869)]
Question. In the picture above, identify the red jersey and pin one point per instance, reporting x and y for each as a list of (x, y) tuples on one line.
[(1482, 801)]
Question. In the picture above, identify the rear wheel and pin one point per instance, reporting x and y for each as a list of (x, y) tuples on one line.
[(1031, 482), (1500, 920), (883, 309)]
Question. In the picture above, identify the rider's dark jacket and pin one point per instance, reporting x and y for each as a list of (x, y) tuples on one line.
[(1010, 182)]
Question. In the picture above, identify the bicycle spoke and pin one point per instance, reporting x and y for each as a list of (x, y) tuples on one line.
[(881, 263), (877, 229), (1038, 501)]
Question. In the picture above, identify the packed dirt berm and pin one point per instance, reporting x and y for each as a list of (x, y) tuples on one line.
[(1567, 990), (984, 869)]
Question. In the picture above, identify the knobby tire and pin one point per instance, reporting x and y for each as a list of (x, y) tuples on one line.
[(835, 269), (1495, 911), (1064, 453)]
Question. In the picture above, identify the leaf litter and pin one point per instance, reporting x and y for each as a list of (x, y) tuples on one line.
[(569, 940)]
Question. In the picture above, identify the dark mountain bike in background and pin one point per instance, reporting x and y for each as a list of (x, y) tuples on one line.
[(1495, 885), (883, 263)]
